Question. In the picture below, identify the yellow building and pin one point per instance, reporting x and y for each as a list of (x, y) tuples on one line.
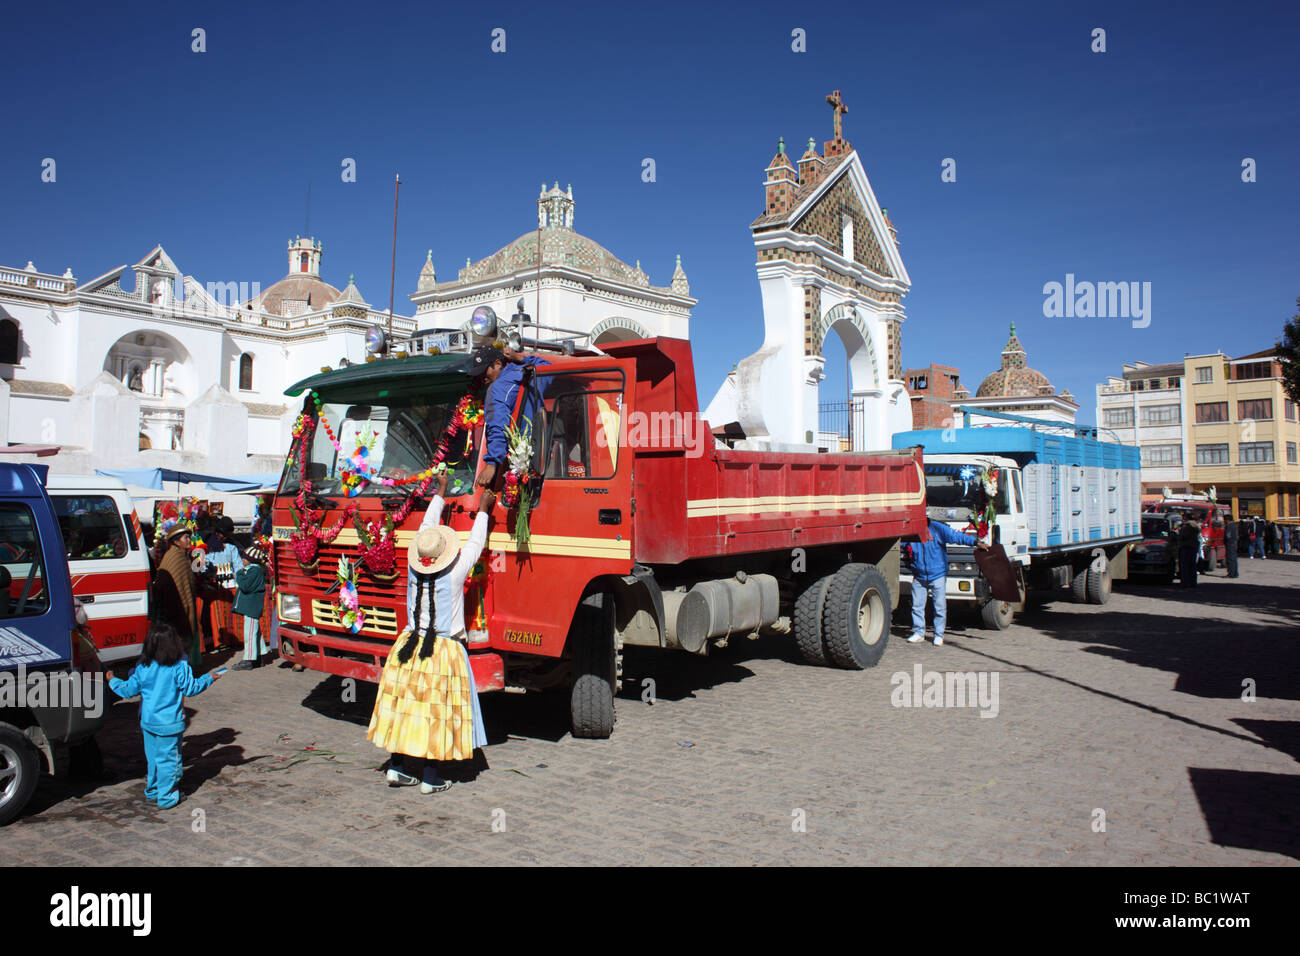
[(1242, 434)]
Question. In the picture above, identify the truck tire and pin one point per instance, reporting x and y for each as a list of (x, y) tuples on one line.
[(998, 615), (1099, 585), (1079, 585), (591, 700), (808, 621), (19, 771), (855, 616)]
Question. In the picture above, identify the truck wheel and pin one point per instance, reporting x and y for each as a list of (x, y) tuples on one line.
[(1079, 585), (591, 701), (1099, 585), (19, 771), (998, 615), (808, 621), (855, 618)]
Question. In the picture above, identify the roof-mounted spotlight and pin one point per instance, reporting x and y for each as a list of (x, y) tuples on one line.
[(376, 340), (484, 321)]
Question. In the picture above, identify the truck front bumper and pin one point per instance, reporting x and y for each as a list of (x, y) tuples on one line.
[(364, 660), (965, 588)]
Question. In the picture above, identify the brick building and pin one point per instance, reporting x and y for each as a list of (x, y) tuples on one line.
[(932, 391)]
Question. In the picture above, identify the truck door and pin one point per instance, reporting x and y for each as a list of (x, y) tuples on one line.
[(580, 525), (1018, 547)]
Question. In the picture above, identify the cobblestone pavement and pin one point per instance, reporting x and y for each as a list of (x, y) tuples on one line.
[(1134, 709)]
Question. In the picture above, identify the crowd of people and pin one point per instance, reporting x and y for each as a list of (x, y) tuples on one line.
[(426, 710)]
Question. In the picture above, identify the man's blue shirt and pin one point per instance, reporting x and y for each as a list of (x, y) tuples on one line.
[(500, 405)]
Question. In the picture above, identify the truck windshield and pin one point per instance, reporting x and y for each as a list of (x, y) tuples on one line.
[(945, 488), (393, 441), (1157, 527)]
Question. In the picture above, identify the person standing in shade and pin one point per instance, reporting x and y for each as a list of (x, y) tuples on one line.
[(1230, 545), (930, 577), (1189, 547), (250, 596), (173, 586), (163, 680)]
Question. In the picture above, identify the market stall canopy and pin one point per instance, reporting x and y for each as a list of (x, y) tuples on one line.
[(154, 477), (267, 483), (40, 451)]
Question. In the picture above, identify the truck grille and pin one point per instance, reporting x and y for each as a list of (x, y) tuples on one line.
[(379, 620)]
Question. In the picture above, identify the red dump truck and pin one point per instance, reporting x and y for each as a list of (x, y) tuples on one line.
[(641, 531)]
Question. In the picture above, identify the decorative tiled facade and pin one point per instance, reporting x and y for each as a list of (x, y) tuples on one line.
[(826, 219), (812, 315)]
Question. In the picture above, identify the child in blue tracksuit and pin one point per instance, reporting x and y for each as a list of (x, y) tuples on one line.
[(930, 577), (163, 680)]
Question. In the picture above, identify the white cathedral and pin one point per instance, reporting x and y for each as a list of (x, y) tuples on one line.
[(171, 372)]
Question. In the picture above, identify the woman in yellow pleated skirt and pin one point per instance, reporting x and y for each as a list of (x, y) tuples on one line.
[(425, 706)]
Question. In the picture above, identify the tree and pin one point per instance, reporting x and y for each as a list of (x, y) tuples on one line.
[(1288, 350)]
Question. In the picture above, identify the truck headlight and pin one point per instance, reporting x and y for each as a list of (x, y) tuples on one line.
[(290, 608)]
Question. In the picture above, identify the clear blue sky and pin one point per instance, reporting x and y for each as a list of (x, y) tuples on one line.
[(1122, 166)]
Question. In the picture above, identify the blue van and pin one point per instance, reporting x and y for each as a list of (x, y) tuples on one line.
[(53, 697)]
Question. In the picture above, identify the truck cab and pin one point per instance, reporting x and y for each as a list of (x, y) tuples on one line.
[(51, 686)]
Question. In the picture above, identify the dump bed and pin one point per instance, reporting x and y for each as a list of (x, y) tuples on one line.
[(692, 500)]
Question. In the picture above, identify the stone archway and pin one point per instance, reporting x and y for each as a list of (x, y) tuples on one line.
[(847, 322), (617, 329)]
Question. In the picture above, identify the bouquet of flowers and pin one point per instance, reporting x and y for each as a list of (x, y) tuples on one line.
[(515, 493), (348, 604)]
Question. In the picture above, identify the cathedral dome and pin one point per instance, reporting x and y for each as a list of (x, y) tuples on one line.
[(302, 290), (295, 294), (1014, 378)]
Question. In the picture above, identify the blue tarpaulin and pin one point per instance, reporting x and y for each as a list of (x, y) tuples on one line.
[(154, 478)]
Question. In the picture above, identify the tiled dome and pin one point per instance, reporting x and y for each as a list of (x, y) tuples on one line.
[(560, 246), (298, 289), (1014, 378)]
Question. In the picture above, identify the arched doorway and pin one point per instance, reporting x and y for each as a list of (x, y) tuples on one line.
[(161, 372), (853, 379)]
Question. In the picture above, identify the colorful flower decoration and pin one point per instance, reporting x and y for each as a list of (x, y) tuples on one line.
[(347, 603), (514, 493)]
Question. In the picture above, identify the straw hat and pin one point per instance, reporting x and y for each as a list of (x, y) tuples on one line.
[(433, 549)]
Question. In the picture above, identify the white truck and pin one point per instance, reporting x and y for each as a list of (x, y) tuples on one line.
[(1064, 507)]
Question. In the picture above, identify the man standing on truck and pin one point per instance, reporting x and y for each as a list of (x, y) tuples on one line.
[(511, 398), (930, 577)]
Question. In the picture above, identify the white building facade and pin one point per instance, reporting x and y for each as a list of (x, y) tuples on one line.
[(1144, 407), (171, 372)]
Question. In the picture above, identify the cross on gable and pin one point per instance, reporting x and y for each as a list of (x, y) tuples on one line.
[(839, 144)]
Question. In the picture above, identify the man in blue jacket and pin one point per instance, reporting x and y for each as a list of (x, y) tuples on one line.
[(506, 372), (930, 577)]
